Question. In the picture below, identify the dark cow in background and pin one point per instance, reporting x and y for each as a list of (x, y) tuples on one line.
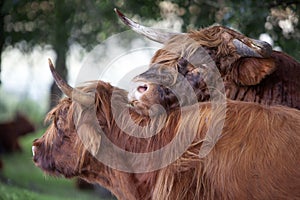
[(10, 132), (256, 157), (250, 69)]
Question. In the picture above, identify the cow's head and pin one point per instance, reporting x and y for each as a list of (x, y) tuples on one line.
[(239, 59), (62, 150), (56, 152), (166, 87)]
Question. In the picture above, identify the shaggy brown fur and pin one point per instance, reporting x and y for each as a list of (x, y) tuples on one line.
[(271, 81), (10, 132), (256, 157)]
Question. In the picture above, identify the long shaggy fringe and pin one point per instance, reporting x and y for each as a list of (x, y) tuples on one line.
[(211, 38)]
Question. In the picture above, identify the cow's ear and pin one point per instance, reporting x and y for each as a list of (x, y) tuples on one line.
[(90, 136), (251, 71), (87, 127)]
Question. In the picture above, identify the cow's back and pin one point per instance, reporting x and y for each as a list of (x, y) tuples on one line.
[(257, 156)]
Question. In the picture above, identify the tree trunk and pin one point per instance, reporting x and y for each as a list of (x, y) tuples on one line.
[(2, 37), (60, 46)]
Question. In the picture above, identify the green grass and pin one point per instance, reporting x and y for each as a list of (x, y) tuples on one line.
[(8, 192), (22, 180)]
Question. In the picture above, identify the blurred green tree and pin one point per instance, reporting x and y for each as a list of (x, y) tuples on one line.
[(61, 23), (38, 23), (280, 19)]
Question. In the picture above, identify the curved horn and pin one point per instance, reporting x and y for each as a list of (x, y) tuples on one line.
[(253, 48), (151, 33), (75, 94)]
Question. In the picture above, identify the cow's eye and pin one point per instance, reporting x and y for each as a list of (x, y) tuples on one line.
[(66, 137), (182, 66)]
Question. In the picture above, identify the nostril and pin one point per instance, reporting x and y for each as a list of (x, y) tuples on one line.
[(142, 88)]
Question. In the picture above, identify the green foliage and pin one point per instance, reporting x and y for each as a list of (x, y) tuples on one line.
[(54, 21), (251, 17), (13, 193), (90, 22), (248, 16), (10, 192)]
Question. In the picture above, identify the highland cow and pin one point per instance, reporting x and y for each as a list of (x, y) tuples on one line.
[(249, 69), (256, 155)]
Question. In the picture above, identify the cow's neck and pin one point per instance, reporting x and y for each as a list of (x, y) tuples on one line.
[(125, 186)]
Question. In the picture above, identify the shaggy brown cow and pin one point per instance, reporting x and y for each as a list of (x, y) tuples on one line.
[(10, 132), (256, 157), (250, 70)]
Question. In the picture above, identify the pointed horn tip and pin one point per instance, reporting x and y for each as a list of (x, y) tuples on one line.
[(118, 12), (124, 19), (50, 64), (85, 99), (151, 33)]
